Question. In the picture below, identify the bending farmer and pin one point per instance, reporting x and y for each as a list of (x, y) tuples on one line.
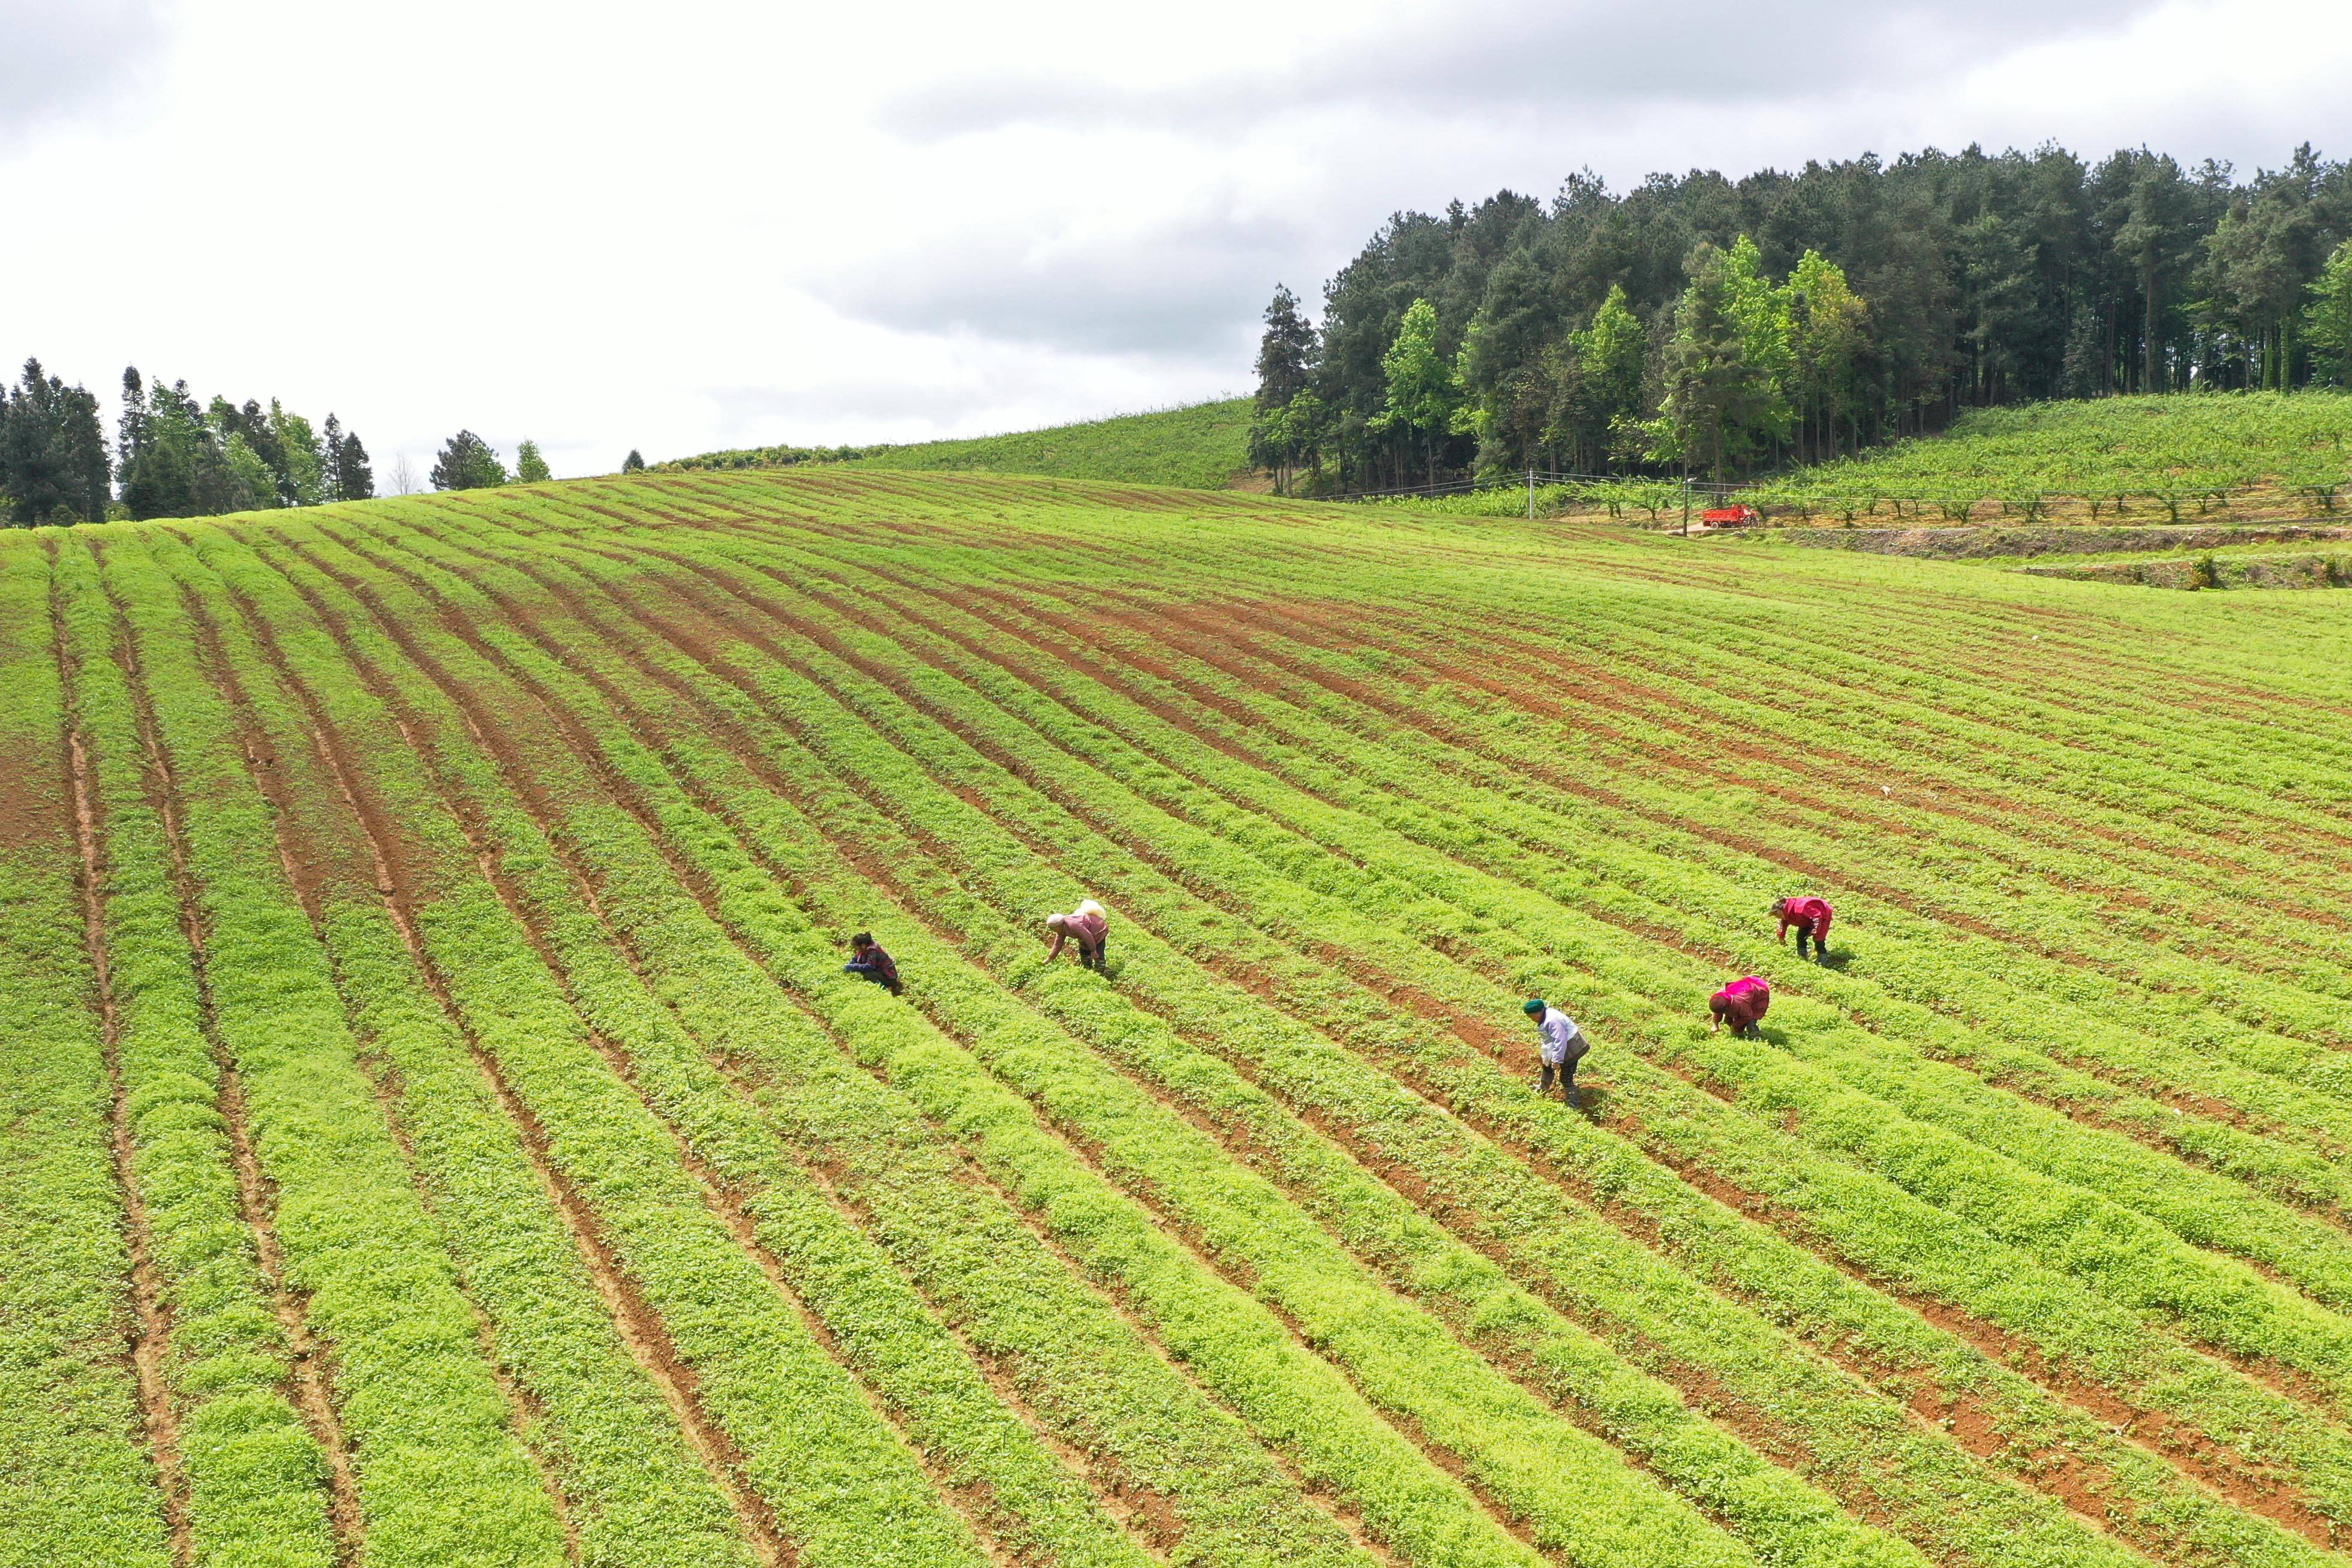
[(868, 962), (1741, 1004), (1811, 916), (1089, 925), (1562, 1045)]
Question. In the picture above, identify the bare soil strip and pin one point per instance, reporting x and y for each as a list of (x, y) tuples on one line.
[(310, 1359), (150, 1340), (637, 1324)]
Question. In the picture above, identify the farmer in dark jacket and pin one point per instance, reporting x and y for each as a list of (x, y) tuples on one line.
[(868, 962)]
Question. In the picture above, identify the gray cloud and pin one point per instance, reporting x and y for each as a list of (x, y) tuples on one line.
[(1174, 293), (63, 57), (1504, 57)]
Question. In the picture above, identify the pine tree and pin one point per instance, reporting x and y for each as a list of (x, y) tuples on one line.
[(634, 463), (467, 463), (1282, 373), (330, 445), (1715, 398), (530, 469), (354, 479), (53, 461)]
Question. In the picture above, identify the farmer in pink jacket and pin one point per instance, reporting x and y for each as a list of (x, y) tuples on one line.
[(1811, 916), (1742, 1004), (1089, 925)]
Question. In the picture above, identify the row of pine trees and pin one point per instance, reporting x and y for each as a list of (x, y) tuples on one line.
[(1719, 327), (174, 457)]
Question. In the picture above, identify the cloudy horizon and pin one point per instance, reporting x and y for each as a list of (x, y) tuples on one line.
[(752, 226)]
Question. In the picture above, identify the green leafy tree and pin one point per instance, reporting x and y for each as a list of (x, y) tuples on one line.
[(1595, 377), (1828, 327), (2327, 318), (634, 463), (252, 470), (530, 469), (2258, 261), (467, 463), (303, 477), (1423, 392), (1762, 312)]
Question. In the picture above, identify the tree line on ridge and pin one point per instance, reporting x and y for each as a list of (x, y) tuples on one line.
[(1723, 326)]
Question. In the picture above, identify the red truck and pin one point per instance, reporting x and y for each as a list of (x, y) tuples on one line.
[(1738, 515)]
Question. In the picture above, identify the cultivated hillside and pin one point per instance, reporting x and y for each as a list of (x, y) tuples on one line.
[(440, 1130), (2153, 455), (1203, 445)]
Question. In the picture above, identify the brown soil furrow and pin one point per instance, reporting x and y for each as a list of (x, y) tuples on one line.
[(2197, 1105), (311, 1360), (524, 1414), (590, 751), (1088, 1157), (1706, 739), (638, 1325), (2277, 1503), (1586, 687), (2187, 1102), (2271, 1377), (1584, 787), (151, 1337), (1768, 784), (2207, 1460)]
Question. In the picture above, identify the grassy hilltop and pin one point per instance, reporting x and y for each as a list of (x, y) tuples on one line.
[(1202, 446), (426, 1042)]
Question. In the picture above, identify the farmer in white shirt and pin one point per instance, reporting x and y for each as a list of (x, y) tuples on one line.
[(1563, 1046)]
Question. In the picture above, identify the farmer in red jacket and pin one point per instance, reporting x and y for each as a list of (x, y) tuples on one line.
[(1742, 1004), (1811, 916)]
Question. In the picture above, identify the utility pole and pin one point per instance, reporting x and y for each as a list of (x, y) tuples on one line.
[(1531, 492), (1685, 497)]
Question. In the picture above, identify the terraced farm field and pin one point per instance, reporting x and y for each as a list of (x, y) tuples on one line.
[(438, 1130)]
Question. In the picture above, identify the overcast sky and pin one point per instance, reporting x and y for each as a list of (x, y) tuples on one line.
[(700, 224)]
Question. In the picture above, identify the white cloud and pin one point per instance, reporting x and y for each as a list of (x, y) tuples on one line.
[(714, 224)]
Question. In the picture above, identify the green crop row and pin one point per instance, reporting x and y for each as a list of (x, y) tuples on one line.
[(440, 1470), (2071, 1323), (2164, 1189), (1376, 1334), (883, 794), (633, 1488), (1077, 1363), (77, 1480), (843, 1486), (255, 1474)]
